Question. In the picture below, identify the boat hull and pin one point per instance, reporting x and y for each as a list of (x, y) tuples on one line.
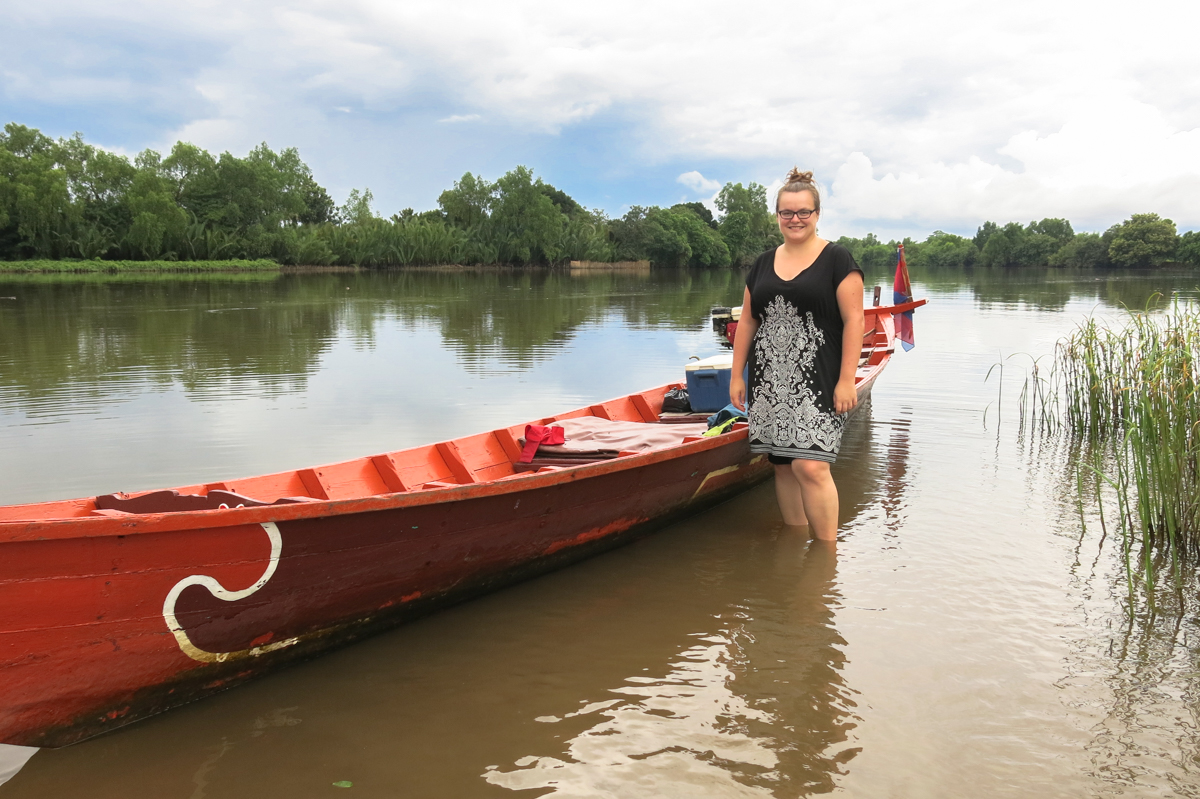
[(99, 650)]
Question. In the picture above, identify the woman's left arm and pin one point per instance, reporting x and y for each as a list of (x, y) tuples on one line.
[(850, 304)]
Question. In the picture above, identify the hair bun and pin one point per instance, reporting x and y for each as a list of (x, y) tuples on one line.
[(796, 176)]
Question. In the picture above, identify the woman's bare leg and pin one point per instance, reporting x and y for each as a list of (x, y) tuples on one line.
[(820, 496), (791, 501)]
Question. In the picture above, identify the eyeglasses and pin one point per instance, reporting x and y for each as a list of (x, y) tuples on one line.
[(804, 213)]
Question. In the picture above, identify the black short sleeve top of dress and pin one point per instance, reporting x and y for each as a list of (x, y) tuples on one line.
[(814, 289), (796, 356)]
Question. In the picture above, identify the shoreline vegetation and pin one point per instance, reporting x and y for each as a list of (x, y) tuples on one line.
[(1130, 404), (96, 266), (68, 206)]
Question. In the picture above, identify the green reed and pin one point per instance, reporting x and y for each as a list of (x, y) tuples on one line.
[(1129, 390)]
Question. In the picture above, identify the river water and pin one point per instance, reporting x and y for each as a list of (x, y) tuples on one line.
[(967, 635)]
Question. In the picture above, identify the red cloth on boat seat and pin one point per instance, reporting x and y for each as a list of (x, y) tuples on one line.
[(589, 438), (535, 435), (591, 433)]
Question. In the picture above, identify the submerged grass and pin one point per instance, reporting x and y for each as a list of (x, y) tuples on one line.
[(1128, 389)]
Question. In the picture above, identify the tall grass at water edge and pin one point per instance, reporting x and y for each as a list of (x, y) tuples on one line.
[(1128, 392)]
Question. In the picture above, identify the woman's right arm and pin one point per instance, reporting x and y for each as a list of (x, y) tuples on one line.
[(747, 327)]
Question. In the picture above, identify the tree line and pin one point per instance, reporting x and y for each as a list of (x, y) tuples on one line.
[(67, 199), (1143, 240)]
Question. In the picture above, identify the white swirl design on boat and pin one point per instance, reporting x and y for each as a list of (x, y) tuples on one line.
[(220, 592)]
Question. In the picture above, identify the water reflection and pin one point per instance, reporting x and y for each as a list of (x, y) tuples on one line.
[(1134, 665), (517, 318), (12, 759), (68, 340), (753, 701), (755, 706), (79, 339), (896, 471)]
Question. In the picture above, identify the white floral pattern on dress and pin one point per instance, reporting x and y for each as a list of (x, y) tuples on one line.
[(784, 414)]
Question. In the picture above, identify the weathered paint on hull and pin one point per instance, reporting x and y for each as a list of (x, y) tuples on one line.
[(94, 652)]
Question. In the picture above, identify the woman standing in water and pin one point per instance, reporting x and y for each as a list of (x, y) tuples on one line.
[(801, 333)]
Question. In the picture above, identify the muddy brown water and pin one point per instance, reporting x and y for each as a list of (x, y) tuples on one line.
[(967, 635)]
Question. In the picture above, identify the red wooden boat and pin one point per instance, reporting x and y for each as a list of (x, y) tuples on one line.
[(118, 607)]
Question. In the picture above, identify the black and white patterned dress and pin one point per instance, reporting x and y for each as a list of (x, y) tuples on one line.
[(796, 357)]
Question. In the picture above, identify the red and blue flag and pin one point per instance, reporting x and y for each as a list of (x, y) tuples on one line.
[(902, 292)]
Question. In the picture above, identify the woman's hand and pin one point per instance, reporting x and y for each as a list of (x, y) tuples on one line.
[(850, 304), (844, 396), (737, 392)]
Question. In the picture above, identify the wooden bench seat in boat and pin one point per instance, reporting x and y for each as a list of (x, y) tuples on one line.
[(672, 417)]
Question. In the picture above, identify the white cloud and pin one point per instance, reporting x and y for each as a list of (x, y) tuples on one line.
[(936, 113), (698, 183), (1096, 168)]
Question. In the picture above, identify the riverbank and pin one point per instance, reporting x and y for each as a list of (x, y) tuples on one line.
[(123, 267), (50, 267)]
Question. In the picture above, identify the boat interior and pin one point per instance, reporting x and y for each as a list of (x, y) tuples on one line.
[(480, 458)]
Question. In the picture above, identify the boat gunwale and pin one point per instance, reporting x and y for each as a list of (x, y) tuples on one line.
[(18, 530)]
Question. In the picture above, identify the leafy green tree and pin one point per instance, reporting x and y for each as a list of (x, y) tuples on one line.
[(35, 199), (1142, 240), (1014, 245), (870, 253), (942, 250), (857, 246), (262, 191), (985, 232), (158, 223), (467, 204), (1058, 229), (673, 237), (1188, 251), (67, 198), (747, 224), (98, 182), (1083, 251), (318, 205), (192, 174), (586, 237), (1035, 249), (707, 247), (912, 250), (641, 235), (700, 210), (525, 224), (357, 210), (738, 233), (877, 258), (560, 198), (1003, 246)]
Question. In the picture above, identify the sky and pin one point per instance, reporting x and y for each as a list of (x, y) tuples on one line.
[(914, 116)]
